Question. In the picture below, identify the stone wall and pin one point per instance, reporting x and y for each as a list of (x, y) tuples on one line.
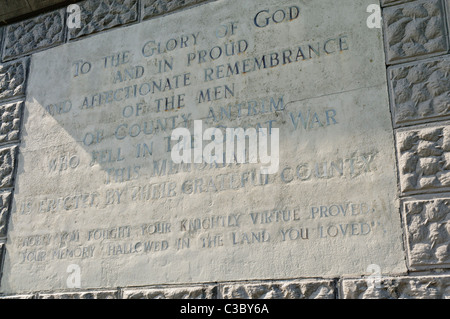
[(418, 70)]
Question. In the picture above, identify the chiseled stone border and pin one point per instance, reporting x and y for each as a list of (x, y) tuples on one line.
[(5, 199), (393, 287), (419, 91), (153, 8), (297, 289), (7, 165), (13, 79), (414, 30), (419, 48), (10, 118), (405, 287), (424, 158), (171, 292), (99, 294), (427, 232), (285, 289), (100, 15), (32, 35), (1, 42)]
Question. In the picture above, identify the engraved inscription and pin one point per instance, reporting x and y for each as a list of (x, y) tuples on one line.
[(97, 186)]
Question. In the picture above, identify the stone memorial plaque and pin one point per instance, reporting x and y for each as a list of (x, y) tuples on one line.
[(98, 191)]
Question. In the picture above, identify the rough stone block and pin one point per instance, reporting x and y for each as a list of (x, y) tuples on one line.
[(426, 287), (415, 29), (421, 91), (10, 117), (427, 226), (40, 32), (5, 200), (7, 163), (110, 294), (198, 292), (424, 159), (151, 8), (99, 15), (12, 79), (303, 289)]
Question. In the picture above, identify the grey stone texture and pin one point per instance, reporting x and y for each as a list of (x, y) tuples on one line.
[(10, 117), (110, 294), (152, 8), (12, 79), (415, 29), (2, 252), (5, 201), (11, 9), (420, 91), (408, 287), (195, 292), (424, 158), (7, 164), (37, 33), (24, 296), (447, 7), (427, 224), (39, 4), (393, 2), (99, 15), (302, 289), (1, 40)]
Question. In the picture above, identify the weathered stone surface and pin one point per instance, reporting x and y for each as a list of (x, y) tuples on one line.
[(99, 15), (421, 91), (10, 117), (302, 289), (151, 8), (424, 287), (447, 6), (1, 40), (25, 296), (7, 163), (5, 201), (424, 161), (95, 172), (415, 29), (2, 257), (12, 79), (195, 292), (40, 32), (111, 294), (427, 226)]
